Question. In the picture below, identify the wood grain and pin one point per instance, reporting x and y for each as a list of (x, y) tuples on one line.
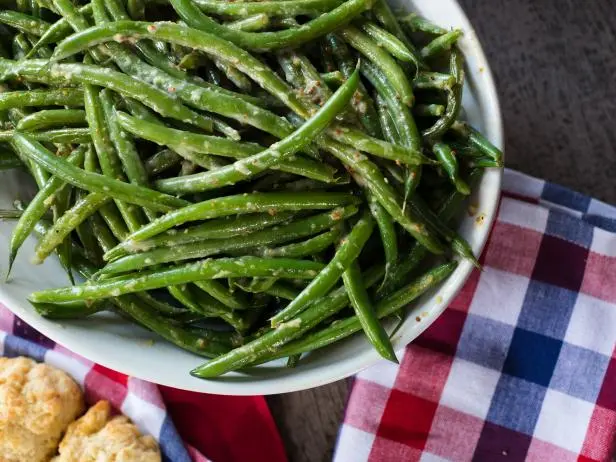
[(555, 66)]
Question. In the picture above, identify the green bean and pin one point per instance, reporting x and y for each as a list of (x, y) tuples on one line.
[(20, 46), (205, 305), (92, 250), (445, 213), (272, 8), (51, 118), (67, 223), (60, 206), (458, 244), (250, 166), (238, 204), (380, 58), (433, 80), (406, 127), (183, 338), (194, 94), (236, 77), (385, 307), (264, 41), (107, 156), (188, 144), (59, 136), (161, 161), (158, 100), (312, 83), (389, 21), (77, 21), (24, 22), (388, 41), (76, 310), (388, 236), (221, 293), (390, 131), (127, 154), (253, 23), (454, 100), (478, 141), (183, 274), (255, 285), (302, 249), (362, 103), (369, 175), (282, 291), (334, 78), (112, 217), (348, 251), (112, 226), (428, 110), (57, 31), (38, 173), (418, 24), (193, 250), (448, 161), (376, 147), (8, 160), (94, 182), (223, 228), (105, 238), (161, 61), (37, 207), (484, 162), (274, 339), (162, 307), (53, 97), (365, 312), (193, 38), (441, 44), (240, 321)]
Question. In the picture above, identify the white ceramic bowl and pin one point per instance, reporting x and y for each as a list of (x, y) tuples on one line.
[(114, 343)]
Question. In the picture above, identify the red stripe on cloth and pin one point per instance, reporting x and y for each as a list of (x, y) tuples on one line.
[(225, 428), (599, 440), (463, 300), (366, 405), (600, 277), (384, 450), (513, 249), (117, 377), (407, 419), (103, 383), (454, 434), (444, 333), (434, 369), (607, 395)]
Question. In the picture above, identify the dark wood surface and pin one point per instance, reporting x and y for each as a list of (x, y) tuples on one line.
[(555, 67)]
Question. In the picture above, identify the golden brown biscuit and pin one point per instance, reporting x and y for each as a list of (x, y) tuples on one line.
[(37, 402), (101, 438)]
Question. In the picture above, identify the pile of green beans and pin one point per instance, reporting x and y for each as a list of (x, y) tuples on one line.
[(250, 181)]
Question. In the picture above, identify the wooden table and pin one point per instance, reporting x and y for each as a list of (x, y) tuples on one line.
[(555, 67)]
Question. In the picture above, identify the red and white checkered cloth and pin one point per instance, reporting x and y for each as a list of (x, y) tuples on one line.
[(225, 428), (522, 365)]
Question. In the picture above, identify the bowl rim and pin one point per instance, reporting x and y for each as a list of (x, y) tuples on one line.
[(250, 385)]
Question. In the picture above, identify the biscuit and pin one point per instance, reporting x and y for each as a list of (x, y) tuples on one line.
[(37, 403), (98, 437)]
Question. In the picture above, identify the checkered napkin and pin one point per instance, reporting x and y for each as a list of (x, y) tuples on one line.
[(522, 365), (209, 422)]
